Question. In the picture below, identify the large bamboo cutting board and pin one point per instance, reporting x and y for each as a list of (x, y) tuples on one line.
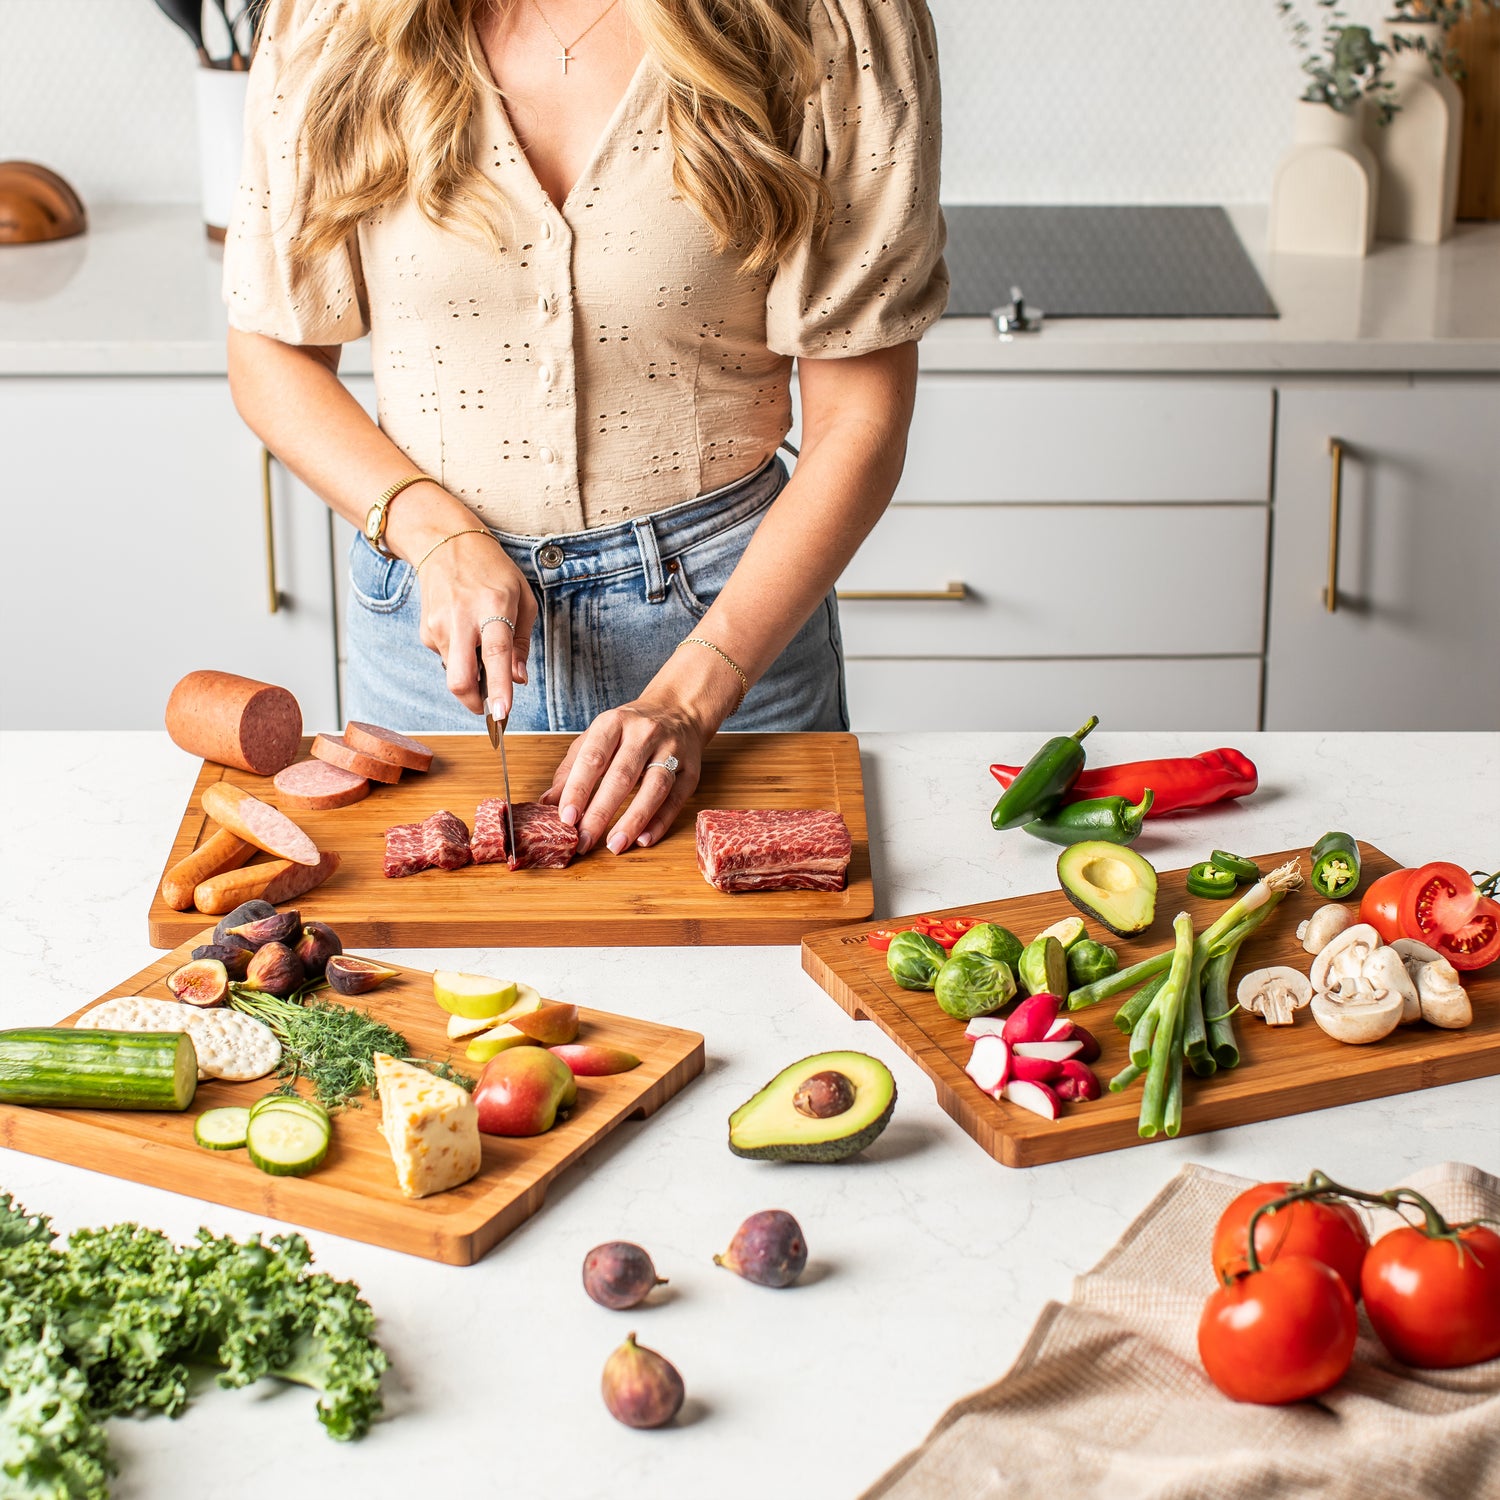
[(646, 897), (354, 1192), (1282, 1071)]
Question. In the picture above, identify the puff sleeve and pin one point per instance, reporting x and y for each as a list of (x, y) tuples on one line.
[(876, 277), (325, 303)]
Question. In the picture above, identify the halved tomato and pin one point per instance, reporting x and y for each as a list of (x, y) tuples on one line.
[(1442, 907), (1381, 904)]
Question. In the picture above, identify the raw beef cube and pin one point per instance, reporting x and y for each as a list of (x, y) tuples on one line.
[(776, 849), (404, 854), (488, 843), (445, 842), (543, 840)]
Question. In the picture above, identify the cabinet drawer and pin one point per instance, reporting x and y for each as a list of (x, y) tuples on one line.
[(1061, 580), (1001, 438), (1049, 697)]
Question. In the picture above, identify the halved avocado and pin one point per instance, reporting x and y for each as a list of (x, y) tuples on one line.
[(1110, 882), (770, 1125)]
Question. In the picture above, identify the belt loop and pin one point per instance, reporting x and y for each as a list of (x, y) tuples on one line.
[(645, 539)]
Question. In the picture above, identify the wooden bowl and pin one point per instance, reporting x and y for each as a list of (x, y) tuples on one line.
[(36, 205)]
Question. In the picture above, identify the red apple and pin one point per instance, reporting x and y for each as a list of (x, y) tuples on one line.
[(521, 1092), (589, 1060)]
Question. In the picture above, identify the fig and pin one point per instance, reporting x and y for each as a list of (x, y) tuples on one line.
[(275, 970), (246, 911), (640, 1388), (279, 927), (348, 975), (619, 1274), (824, 1095), (767, 1249), (318, 943), (234, 953), (203, 982)]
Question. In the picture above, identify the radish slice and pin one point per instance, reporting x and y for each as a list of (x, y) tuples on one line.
[(1064, 1030), (1031, 1020), (985, 1026), (1033, 1069), (1076, 1080), (1052, 1051), (1059, 1031), (989, 1064), (1036, 1097)]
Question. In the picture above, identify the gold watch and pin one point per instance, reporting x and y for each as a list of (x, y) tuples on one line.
[(375, 516)]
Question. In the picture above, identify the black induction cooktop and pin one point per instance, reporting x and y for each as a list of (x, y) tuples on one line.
[(1102, 261)]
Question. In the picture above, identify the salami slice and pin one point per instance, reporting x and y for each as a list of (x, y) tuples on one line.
[(337, 751), (316, 786), (386, 744)]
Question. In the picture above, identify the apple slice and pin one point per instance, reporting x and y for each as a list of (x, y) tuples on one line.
[(589, 1060), (461, 1028), (552, 1025), (496, 1040), (473, 995)]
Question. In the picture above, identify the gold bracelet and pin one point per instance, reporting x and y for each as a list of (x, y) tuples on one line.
[(724, 656), (452, 536)]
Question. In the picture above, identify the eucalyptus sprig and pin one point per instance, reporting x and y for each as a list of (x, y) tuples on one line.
[(1440, 52), (1343, 63)]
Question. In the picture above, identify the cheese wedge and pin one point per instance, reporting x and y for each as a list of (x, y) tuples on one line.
[(430, 1125)]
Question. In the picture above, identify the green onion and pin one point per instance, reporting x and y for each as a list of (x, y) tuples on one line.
[(1166, 1041)]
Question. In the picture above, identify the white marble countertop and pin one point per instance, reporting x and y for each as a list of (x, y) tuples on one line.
[(139, 294), (930, 1261)]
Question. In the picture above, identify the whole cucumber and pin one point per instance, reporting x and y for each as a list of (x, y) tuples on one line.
[(68, 1069)]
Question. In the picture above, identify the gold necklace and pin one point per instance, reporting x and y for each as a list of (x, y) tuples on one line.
[(566, 55)]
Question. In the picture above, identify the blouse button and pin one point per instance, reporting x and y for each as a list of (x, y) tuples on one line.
[(546, 455), (546, 229), (544, 374)]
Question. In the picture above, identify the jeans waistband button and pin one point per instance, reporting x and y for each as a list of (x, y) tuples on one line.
[(550, 556)]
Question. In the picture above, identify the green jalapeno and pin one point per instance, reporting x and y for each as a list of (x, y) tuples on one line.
[(1243, 870), (1043, 781), (1208, 880), (1113, 819), (1335, 866)]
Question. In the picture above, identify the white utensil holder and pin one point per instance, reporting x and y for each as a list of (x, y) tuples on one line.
[(221, 142)]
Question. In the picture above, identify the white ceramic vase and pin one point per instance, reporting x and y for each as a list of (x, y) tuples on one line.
[(1324, 198), (221, 142), (1419, 149)]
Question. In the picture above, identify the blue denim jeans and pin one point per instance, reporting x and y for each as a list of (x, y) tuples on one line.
[(613, 604)]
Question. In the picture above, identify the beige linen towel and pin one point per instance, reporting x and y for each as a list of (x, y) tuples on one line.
[(1108, 1398)]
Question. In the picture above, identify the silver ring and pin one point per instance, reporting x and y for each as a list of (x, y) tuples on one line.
[(669, 765), (490, 620)]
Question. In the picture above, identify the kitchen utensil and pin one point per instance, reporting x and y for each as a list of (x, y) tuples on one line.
[(648, 897), (1283, 1070), (497, 739), (188, 15), (37, 205), (354, 1192)]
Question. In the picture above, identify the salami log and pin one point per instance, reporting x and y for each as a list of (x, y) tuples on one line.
[(270, 880), (338, 752), (386, 744), (235, 721), (221, 851), (315, 786), (258, 823)]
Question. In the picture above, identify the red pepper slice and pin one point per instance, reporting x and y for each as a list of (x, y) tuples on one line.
[(880, 939)]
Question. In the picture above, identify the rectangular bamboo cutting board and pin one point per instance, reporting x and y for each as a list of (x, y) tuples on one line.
[(645, 898), (354, 1193), (1282, 1071)]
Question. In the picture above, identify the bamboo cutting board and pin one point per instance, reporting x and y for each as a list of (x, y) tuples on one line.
[(646, 897), (1282, 1071), (354, 1192)]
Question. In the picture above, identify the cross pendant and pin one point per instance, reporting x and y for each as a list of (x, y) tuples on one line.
[(565, 57)]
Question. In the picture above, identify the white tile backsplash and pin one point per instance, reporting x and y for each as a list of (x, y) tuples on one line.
[(1147, 101)]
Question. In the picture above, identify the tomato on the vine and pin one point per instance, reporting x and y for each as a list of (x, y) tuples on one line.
[(1279, 1334), (1435, 1301), (1332, 1233), (1442, 907), (1380, 905)]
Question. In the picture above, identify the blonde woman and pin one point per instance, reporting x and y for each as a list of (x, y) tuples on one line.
[(588, 239)]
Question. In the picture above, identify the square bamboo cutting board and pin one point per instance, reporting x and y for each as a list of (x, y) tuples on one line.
[(1283, 1070), (644, 898), (354, 1193)]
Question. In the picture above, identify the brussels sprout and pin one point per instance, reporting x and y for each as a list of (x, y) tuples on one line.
[(914, 960), (992, 940), (974, 984), (1044, 967), (1088, 961)]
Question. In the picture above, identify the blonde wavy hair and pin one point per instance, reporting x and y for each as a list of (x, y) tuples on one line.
[(398, 83)]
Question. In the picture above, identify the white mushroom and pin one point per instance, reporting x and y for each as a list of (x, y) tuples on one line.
[(1359, 1018), (1415, 956), (1276, 993), (1323, 926), (1442, 999), (1361, 987), (1385, 974), (1337, 967)]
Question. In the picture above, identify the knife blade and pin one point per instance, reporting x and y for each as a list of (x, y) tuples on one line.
[(497, 739)]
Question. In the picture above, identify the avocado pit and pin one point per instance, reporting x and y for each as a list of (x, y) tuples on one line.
[(824, 1095)]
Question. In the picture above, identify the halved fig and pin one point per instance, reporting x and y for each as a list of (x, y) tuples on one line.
[(279, 927), (349, 975), (203, 982)]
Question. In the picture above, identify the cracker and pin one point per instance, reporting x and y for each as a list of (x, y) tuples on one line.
[(229, 1045)]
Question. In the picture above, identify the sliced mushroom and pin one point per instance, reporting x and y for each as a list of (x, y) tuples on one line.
[(1359, 1018), (1442, 999), (1323, 926), (1337, 967), (1276, 993)]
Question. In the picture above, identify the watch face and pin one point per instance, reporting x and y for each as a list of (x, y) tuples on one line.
[(373, 527)]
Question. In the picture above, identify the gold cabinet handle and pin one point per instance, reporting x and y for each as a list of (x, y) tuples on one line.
[(955, 593), (1335, 505), (268, 503)]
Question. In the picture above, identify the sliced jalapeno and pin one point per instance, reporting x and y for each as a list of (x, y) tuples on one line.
[(1335, 866), (1206, 879), (1243, 870)]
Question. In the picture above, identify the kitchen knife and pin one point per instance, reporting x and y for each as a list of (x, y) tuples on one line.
[(497, 739)]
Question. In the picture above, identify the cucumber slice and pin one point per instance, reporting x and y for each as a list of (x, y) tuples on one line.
[(287, 1142), (309, 1107), (222, 1129)]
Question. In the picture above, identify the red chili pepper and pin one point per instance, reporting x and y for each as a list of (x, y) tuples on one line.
[(880, 939), (943, 930), (1179, 783)]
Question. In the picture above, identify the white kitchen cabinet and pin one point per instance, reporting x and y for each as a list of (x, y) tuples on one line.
[(1414, 642), (138, 551)]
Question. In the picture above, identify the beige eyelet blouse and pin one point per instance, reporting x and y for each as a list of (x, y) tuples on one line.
[(608, 363)]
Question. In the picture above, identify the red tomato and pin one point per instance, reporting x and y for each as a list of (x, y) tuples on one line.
[(1332, 1233), (1434, 1303), (1442, 907), (1381, 904), (1279, 1335)]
